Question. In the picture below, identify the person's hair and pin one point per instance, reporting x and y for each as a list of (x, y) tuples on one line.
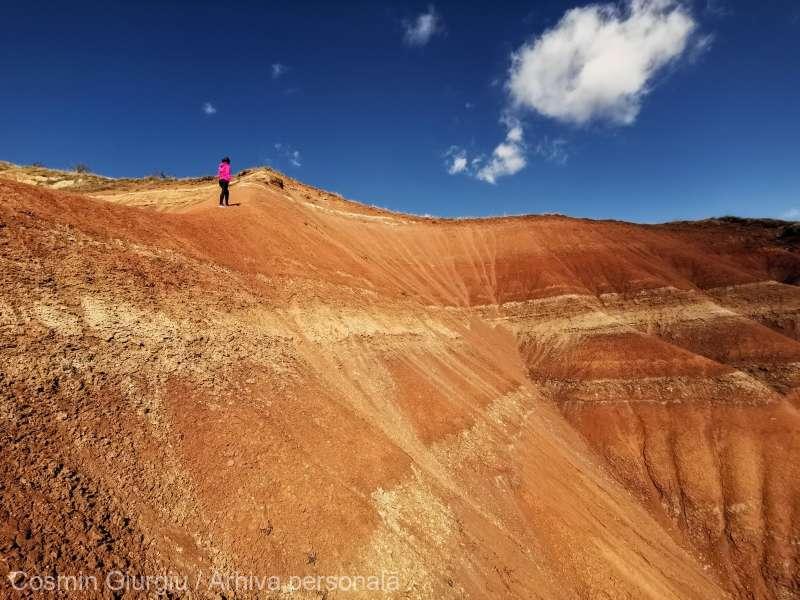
[(226, 160)]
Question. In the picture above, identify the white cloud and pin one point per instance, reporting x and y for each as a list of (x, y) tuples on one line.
[(793, 214), (459, 165), (290, 154), (456, 160), (597, 61), (553, 150), (420, 31), (507, 158), (700, 46), (278, 69), (209, 108)]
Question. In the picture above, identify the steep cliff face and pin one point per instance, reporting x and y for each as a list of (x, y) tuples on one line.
[(301, 385)]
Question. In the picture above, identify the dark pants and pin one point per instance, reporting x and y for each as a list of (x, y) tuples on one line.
[(224, 194)]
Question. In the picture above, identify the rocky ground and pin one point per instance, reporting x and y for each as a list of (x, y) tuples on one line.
[(299, 385)]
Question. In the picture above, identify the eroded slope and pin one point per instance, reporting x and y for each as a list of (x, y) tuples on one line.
[(534, 407)]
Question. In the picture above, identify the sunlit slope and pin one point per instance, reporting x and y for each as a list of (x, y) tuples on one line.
[(523, 407)]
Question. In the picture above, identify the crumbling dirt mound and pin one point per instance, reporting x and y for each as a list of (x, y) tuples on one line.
[(304, 386)]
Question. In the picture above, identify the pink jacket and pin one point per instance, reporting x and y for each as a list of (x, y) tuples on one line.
[(224, 171)]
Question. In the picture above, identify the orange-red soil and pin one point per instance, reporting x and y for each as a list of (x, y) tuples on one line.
[(533, 407)]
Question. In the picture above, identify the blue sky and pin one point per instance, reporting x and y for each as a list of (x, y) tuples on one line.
[(648, 110)]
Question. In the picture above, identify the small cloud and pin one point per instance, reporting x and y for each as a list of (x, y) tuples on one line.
[(456, 160), (209, 108), (420, 31), (793, 214), (459, 165), (288, 153), (278, 69), (507, 158), (553, 150), (701, 45), (469, 105)]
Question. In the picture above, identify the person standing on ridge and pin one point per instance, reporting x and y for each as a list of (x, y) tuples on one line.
[(224, 174)]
